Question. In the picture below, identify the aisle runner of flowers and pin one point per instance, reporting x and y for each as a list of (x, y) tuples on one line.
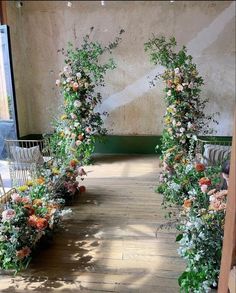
[(184, 182), (34, 211), (37, 208)]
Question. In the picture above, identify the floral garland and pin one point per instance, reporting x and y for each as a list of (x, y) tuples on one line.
[(188, 185), (34, 211), (201, 226), (184, 118), (38, 207), (81, 125)]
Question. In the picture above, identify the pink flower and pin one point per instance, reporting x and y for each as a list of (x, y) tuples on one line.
[(25, 199), (78, 142), (77, 103), (169, 93), (16, 197), (25, 251), (75, 86), (73, 116), (204, 188), (8, 214), (88, 129), (66, 68)]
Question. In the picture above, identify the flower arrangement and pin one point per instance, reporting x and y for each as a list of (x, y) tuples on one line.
[(184, 118), (201, 230), (80, 125), (32, 212), (191, 187), (37, 207)]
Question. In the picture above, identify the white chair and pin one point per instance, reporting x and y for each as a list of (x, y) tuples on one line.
[(24, 158)]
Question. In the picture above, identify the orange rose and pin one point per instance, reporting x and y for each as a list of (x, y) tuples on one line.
[(187, 203), (40, 180), (73, 163), (199, 167), (32, 221), (205, 181), (41, 223)]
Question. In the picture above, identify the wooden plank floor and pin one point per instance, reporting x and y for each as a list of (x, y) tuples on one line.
[(108, 243)]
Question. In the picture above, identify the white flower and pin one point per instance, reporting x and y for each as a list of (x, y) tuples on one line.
[(189, 167), (177, 71), (201, 235), (204, 188), (190, 85), (58, 82), (67, 130), (190, 125), (78, 75), (66, 68), (69, 79), (197, 257), (174, 122), (174, 186), (192, 193), (169, 93), (8, 214), (179, 88), (182, 129), (189, 224), (77, 103)]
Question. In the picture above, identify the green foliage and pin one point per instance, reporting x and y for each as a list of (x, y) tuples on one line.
[(81, 125), (183, 183)]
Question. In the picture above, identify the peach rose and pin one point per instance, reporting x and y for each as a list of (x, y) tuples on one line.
[(204, 181), (22, 253), (41, 223), (187, 203)]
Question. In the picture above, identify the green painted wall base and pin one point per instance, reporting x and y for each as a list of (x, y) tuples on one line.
[(119, 144), (129, 144)]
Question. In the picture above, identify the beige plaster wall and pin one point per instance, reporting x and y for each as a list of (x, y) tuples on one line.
[(40, 28)]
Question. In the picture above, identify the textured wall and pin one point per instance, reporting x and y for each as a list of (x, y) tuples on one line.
[(40, 28)]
